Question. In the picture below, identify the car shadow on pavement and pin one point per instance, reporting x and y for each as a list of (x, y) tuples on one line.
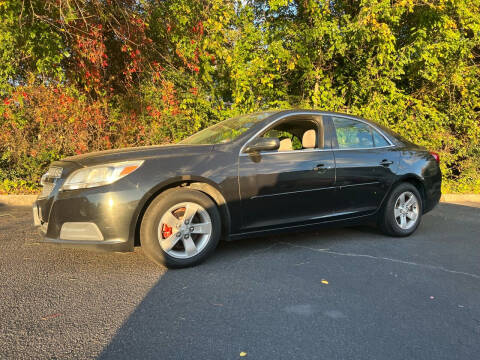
[(283, 297)]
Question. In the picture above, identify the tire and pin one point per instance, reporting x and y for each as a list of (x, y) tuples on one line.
[(167, 239), (390, 218)]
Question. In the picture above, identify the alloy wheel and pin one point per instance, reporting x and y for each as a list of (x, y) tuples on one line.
[(406, 210), (184, 230)]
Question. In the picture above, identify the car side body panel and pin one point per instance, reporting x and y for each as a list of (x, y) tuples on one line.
[(362, 180), (418, 165), (286, 188)]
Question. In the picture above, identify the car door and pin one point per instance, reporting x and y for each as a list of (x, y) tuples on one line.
[(289, 186), (364, 160)]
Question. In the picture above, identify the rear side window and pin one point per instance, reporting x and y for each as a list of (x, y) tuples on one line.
[(378, 139), (353, 134)]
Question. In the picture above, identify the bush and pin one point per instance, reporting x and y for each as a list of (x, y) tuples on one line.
[(90, 75)]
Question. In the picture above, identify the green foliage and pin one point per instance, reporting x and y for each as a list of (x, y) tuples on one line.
[(143, 72)]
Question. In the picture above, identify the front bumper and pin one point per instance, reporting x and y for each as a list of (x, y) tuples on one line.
[(100, 218)]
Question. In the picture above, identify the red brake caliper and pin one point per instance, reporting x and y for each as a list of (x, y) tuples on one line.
[(166, 231)]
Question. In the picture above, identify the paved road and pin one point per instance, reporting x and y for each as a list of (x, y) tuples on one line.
[(413, 298)]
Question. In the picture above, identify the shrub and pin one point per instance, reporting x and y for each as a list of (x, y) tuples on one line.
[(91, 75)]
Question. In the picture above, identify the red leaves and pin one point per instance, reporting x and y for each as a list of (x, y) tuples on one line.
[(90, 54), (51, 316), (65, 124), (155, 113), (198, 29)]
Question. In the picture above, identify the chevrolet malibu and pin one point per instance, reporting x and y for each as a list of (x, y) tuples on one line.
[(274, 171)]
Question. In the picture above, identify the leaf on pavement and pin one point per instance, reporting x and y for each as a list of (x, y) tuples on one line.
[(51, 316)]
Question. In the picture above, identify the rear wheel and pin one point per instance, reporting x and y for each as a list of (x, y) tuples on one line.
[(402, 211), (180, 228)]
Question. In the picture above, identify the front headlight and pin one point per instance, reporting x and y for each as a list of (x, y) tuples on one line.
[(100, 175)]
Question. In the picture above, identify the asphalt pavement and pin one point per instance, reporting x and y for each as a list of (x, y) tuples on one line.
[(331, 294)]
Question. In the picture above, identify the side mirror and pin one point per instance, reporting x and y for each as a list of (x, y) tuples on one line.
[(262, 144)]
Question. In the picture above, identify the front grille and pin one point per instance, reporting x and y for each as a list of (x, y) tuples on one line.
[(47, 189), (49, 179)]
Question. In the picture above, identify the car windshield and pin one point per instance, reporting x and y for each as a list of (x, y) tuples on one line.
[(225, 131)]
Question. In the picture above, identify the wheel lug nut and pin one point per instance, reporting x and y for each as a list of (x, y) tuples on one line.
[(186, 236), (191, 229)]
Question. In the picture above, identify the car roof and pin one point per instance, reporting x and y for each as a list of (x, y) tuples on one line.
[(315, 112)]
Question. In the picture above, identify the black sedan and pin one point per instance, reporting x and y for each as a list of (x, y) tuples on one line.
[(255, 174)]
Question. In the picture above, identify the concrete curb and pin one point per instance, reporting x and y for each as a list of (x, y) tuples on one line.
[(460, 197), (28, 200), (17, 200)]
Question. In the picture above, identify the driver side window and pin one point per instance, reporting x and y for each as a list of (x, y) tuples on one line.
[(288, 141), (295, 135)]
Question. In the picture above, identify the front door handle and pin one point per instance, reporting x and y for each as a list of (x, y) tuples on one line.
[(321, 167), (386, 162)]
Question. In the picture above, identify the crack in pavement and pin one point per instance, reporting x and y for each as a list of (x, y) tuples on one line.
[(432, 267), (256, 252)]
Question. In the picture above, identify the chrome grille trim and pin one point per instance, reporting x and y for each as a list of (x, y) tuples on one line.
[(47, 189), (48, 180)]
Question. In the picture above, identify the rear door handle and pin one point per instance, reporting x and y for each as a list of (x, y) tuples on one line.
[(321, 167), (386, 162)]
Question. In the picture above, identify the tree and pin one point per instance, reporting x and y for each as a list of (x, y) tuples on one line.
[(77, 76)]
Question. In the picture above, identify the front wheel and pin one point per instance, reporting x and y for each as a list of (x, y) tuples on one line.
[(180, 228), (402, 212)]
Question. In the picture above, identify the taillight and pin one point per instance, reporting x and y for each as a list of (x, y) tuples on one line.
[(435, 156)]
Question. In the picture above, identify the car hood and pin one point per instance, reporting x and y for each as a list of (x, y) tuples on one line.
[(137, 153)]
